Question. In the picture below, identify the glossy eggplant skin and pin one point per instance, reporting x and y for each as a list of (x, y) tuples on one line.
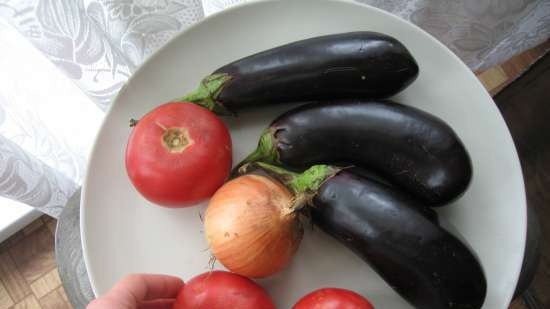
[(348, 65), (410, 148), (426, 265)]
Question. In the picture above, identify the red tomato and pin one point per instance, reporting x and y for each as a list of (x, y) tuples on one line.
[(222, 290), (178, 154), (331, 298)]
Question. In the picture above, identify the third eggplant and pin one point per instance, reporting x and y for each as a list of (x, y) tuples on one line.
[(423, 262), (394, 233), (408, 147)]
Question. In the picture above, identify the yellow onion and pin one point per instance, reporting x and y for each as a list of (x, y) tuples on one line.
[(251, 226)]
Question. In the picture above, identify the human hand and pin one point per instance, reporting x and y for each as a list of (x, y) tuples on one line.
[(140, 291)]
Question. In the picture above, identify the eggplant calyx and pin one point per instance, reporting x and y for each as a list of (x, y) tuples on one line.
[(304, 185), (312, 178), (207, 93), (265, 152)]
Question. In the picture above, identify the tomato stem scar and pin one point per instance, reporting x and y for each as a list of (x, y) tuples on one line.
[(175, 140)]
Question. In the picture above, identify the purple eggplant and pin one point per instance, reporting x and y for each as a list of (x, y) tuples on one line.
[(348, 65), (399, 237), (425, 264), (411, 149)]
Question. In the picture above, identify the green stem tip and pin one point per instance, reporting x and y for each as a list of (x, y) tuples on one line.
[(207, 93), (133, 122), (265, 152), (304, 185)]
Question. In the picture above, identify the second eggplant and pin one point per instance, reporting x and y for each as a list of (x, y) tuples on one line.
[(408, 147)]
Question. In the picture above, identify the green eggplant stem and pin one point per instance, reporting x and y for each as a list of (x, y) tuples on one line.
[(307, 182), (265, 152), (207, 93), (304, 186)]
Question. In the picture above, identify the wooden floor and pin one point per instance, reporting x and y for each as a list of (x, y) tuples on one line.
[(496, 78), (28, 273)]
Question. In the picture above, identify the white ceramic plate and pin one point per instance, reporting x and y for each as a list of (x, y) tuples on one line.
[(123, 233)]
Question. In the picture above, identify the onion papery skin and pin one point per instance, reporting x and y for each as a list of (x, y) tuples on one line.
[(251, 226)]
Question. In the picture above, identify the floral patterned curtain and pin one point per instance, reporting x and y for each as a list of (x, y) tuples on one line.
[(99, 43)]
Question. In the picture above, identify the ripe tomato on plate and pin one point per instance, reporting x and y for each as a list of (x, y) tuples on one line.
[(222, 290), (332, 298), (178, 154)]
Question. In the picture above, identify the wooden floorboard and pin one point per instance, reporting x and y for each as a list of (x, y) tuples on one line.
[(28, 273), (498, 77)]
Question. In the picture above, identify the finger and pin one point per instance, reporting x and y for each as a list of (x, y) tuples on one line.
[(106, 303), (158, 304), (94, 304), (141, 287)]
